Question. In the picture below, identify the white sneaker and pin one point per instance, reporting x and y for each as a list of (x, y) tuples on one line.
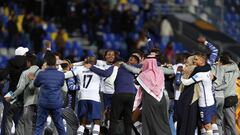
[(65, 124), (49, 120), (80, 130), (13, 128)]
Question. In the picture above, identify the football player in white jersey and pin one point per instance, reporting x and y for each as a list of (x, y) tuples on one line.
[(206, 100), (89, 105), (107, 90)]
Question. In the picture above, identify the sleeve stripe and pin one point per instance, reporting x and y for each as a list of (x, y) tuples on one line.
[(193, 79)]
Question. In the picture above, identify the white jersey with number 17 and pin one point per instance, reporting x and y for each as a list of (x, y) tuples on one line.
[(89, 84)]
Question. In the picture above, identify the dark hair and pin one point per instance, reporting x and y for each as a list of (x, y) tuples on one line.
[(225, 59), (58, 54), (50, 59), (135, 57), (91, 60), (181, 57), (155, 50), (201, 54), (32, 58), (169, 45), (140, 53), (64, 65), (159, 56), (69, 61), (164, 17), (227, 54), (116, 53)]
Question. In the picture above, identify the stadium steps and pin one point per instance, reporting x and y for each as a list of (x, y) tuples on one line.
[(187, 32)]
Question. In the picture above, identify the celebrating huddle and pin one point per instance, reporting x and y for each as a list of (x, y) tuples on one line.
[(142, 96)]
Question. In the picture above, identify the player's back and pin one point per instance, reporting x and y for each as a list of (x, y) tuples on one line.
[(206, 94), (89, 84)]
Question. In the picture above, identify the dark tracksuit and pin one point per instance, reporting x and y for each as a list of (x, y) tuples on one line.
[(50, 101), (123, 98), (13, 112)]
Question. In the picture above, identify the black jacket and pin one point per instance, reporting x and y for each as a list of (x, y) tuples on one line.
[(15, 67)]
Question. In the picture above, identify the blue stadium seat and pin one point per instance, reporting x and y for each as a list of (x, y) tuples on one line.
[(68, 46), (134, 36), (111, 40), (238, 32), (107, 45), (84, 28), (104, 36), (233, 17), (116, 45), (178, 47), (237, 17), (119, 37), (3, 61), (48, 36), (1, 44), (229, 31), (179, 1), (5, 20), (90, 52), (54, 46), (137, 2), (226, 16), (68, 49), (164, 9), (112, 37), (123, 46), (232, 32), (51, 28), (139, 22), (238, 38), (229, 16), (16, 9), (123, 50), (225, 27), (77, 49), (109, 37)]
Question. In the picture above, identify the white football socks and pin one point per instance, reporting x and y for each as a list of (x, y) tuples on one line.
[(215, 129), (80, 130), (96, 129)]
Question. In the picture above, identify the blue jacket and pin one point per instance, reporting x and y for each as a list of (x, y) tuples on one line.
[(50, 82), (124, 82)]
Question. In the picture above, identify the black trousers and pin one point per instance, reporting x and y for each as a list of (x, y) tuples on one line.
[(71, 99), (15, 114), (122, 105)]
